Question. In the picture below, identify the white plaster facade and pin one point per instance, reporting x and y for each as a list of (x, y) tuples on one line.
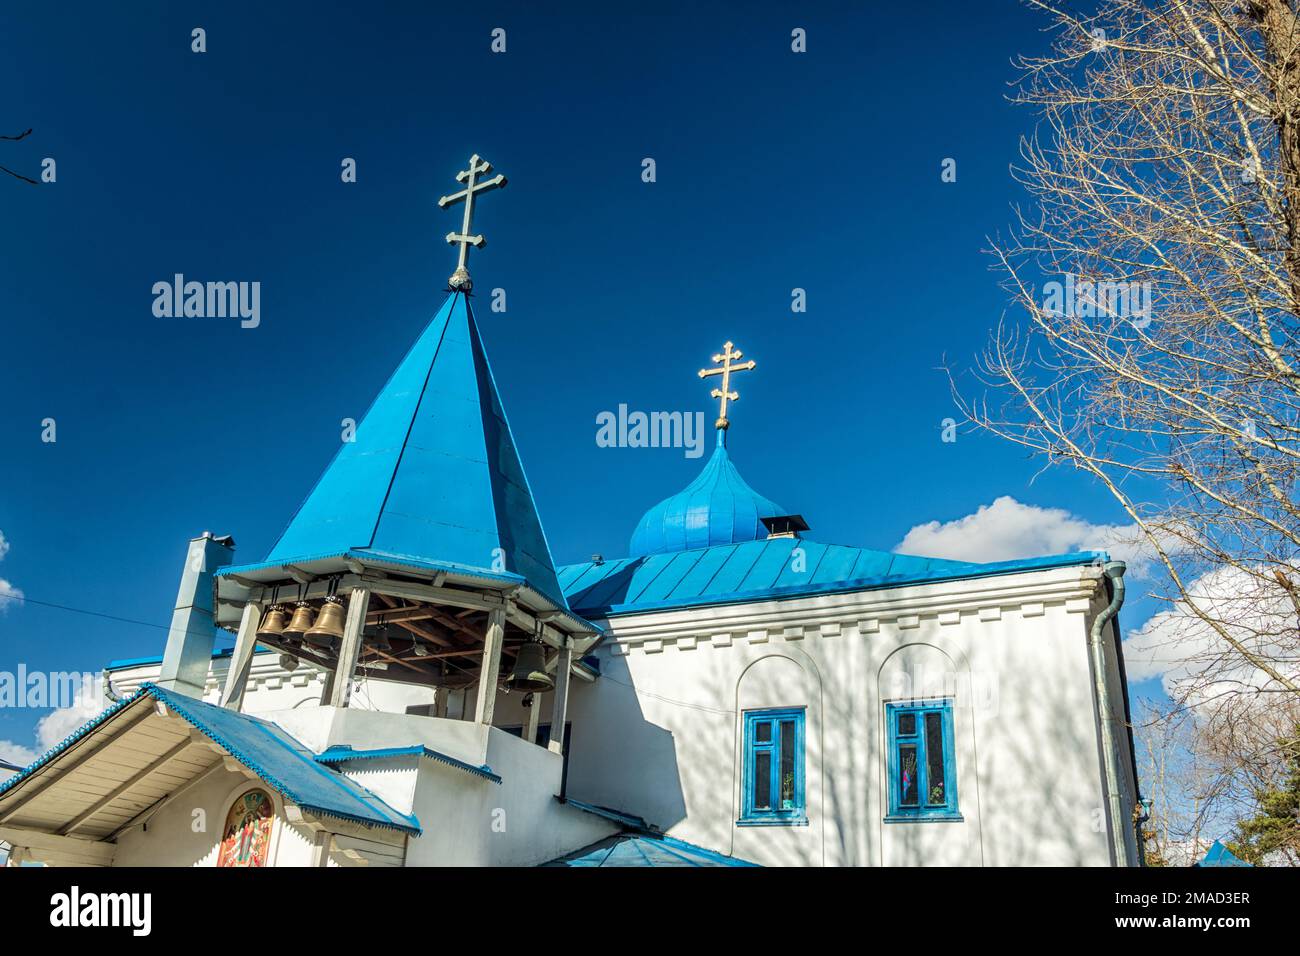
[(658, 734)]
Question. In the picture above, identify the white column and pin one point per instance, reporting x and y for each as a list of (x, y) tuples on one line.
[(560, 709), (487, 678), (241, 661), (350, 649), (320, 851), (530, 728)]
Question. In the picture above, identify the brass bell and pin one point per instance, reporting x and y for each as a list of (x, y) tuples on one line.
[(529, 673), (303, 616), (329, 624), (272, 622)]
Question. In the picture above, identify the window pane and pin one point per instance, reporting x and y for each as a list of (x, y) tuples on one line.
[(763, 731), (934, 781), (763, 780), (906, 725), (907, 776), (787, 764)]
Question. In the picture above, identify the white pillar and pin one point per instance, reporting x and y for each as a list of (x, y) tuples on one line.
[(530, 728), (491, 670), (320, 851), (350, 649), (560, 709), (241, 661)]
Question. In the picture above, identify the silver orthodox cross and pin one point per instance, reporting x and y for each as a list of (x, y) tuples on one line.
[(460, 280)]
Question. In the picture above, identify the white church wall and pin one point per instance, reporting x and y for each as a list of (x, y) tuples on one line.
[(659, 735), (471, 821)]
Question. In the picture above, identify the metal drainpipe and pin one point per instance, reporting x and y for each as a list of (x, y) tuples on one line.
[(1114, 572)]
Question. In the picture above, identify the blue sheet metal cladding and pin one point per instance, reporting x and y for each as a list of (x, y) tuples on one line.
[(765, 570), (718, 507), (433, 472)]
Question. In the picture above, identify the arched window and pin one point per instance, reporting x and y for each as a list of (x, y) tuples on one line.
[(246, 837)]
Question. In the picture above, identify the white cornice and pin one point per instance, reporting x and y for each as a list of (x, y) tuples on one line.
[(831, 615)]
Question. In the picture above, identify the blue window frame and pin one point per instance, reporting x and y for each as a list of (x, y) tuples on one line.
[(772, 792), (922, 771)]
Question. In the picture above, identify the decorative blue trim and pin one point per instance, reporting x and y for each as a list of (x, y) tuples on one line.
[(797, 813), (926, 809), (341, 753)]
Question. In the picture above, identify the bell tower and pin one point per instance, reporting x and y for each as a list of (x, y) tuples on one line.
[(418, 556)]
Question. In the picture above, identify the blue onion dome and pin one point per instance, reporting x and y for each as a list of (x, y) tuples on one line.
[(716, 508)]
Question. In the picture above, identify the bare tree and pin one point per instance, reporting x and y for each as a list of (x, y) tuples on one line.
[(5, 169), (1160, 352), (1156, 265)]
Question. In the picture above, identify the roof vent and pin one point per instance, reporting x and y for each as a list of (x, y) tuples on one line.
[(597, 559), (784, 526)]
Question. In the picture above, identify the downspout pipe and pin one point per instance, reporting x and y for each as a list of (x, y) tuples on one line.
[(1114, 573)]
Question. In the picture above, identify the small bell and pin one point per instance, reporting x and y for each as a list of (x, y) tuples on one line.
[(272, 622), (303, 616), (529, 673), (329, 624)]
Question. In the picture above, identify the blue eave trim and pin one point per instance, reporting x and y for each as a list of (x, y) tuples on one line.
[(343, 754)]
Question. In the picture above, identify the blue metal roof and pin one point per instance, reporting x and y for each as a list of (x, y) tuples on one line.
[(718, 507), (766, 570), (261, 746), (343, 753), (433, 473), (126, 662), (1220, 855), (640, 845)]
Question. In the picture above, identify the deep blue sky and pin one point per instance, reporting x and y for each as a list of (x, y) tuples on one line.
[(775, 170)]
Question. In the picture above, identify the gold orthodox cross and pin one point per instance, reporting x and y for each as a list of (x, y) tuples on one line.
[(460, 280), (729, 354)]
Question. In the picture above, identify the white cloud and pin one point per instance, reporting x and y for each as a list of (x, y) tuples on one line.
[(1007, 529), (8, 593), (50, 730), (15, 754), (1192, 659)]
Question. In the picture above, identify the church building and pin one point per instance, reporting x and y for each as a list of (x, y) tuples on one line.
[(415, 682)]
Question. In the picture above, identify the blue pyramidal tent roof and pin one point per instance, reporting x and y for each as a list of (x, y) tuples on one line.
[(433, 473)]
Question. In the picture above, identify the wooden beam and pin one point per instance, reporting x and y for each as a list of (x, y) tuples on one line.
[(396, 660), (431, 636), (122, 788), (350, 649), (241, 660), (487, 678), (144, 815), (534, 711), (59, 850), (560, 707)]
